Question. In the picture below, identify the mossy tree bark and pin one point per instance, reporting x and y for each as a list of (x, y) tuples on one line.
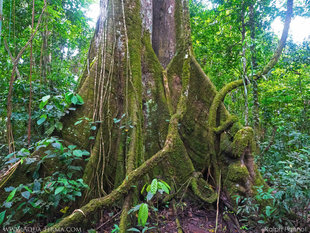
[(156, 112), (152, 102)]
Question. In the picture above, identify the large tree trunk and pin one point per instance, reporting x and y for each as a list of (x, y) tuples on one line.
[(141, 71), (156, 112)]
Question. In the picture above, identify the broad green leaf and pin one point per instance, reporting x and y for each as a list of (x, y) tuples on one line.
[(12, 194), (42, 104), (74, 100), (154, 186), (68, 97), (78, 153), (77, 193), (26, 194), (80, 99), (41, 120), (59, 189), (143, 214), (46, 98), (72, 147), (134, 209), (9, 189), (163, 187), (78, 122), (133, 229), (50, 130), (59, 125), (2, 215), (149, 196), (165, 183), (28, 189), (85, 152)]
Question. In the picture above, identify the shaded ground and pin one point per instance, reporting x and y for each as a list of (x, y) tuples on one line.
[(193, 219)]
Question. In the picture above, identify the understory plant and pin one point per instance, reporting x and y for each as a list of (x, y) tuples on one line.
[(286, 202), (44, 196), (155, 189)]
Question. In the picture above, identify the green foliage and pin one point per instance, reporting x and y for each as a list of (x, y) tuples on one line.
[(283, 97), (53, 108), (116, 229), (286, 203), (59, 51), (46, 195), (156, 187), (143, 214)]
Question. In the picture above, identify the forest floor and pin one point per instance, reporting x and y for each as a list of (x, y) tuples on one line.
[(192, 219)]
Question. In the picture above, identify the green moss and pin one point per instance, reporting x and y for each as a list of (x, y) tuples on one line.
[(92, 163), (237, 172), (226, 124), (259, 181), (182, 167), (236, 178), (203, 190), (243, 139)]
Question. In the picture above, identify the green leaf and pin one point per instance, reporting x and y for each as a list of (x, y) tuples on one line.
[(41, 120), (12, 194), (78, 122), (46, 98), (143, 188), (50, 130), (26, 194), (163, 187), (74, 100), (143, 214), (133, 229), (78, 153), (59, 125), (59, 189), (154, 186), (9, 189), (28, 189), (77, 193), (42, 104), (149, 196), (72, 147), (80, 99), (2, 215), (68, 97), (134, 209), (85, 152), (167, 185)]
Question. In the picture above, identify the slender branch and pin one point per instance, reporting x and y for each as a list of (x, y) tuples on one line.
[(10, 137), (244, 67), (32, 35), (12, 58), (217, 205), (227, 124), (30, 79), (278, 52)]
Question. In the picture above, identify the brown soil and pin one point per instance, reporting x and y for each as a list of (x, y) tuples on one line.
[(193, 219)]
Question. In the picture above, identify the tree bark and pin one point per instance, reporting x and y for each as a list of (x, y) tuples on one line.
[(142, 72), (157, 113)]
